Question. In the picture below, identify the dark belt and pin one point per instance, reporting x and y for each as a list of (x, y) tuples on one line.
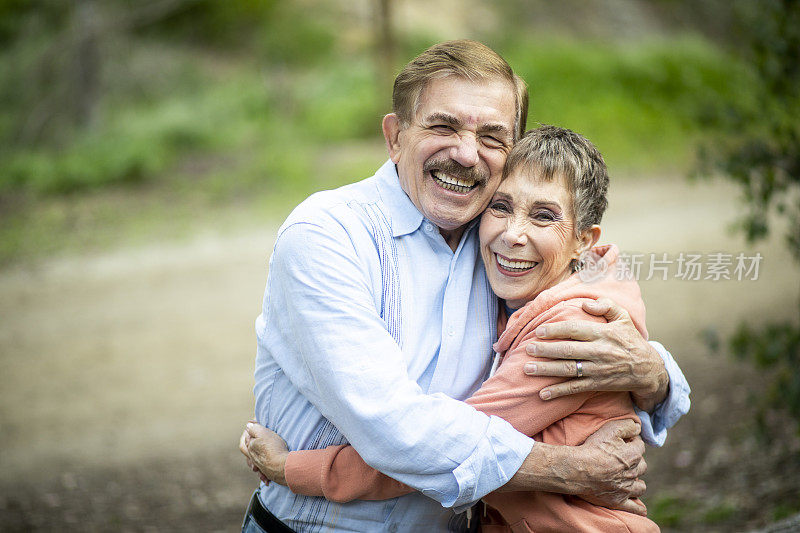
[(264, 518)]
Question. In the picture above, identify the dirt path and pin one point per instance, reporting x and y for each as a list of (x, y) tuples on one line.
[(126, 376)]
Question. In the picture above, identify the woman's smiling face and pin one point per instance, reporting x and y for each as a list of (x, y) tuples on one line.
[(528, 238)]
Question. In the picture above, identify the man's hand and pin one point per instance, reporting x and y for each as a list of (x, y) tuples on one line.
[(265, 452), (604, 470), (615, 455), (612, 356)]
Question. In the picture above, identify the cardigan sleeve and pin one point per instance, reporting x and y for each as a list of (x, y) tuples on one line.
[(339, 474), (513, 395)]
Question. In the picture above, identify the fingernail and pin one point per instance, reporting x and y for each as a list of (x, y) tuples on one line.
[(544, 395), (249, 425), (541, 331), (531, 348), (529, 368)]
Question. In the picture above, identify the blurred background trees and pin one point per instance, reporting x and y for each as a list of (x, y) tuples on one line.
[(126, 122), (96, 93), (756, 144), (231, 100)]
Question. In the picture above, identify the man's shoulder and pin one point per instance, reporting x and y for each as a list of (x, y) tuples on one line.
[(348, 208)]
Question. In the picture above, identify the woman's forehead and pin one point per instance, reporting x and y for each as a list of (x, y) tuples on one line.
[(533, 182)]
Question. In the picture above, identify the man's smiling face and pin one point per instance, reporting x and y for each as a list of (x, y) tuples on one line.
[(450, 158)]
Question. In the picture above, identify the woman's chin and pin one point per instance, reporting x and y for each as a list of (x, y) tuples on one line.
[(515, 301)]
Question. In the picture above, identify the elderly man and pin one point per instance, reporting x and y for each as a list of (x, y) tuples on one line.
[(378, 319)]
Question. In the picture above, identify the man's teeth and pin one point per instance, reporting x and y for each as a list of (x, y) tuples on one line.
[(515, 265), (451, 183)]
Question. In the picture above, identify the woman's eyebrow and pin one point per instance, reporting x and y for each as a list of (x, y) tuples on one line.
[(547, 203)]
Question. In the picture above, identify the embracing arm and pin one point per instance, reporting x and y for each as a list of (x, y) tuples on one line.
[(338, 472), (329, 340), (615, 357)]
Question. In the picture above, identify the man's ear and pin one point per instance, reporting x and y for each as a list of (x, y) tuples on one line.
[(391, 132), (588, 239)]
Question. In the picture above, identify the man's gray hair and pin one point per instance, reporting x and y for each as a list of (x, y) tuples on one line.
[(463, 58)]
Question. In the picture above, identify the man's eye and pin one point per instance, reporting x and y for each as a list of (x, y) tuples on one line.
[(443, 128), (492, 142)]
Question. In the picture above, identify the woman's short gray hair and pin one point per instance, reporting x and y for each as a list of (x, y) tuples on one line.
[(549, 152)]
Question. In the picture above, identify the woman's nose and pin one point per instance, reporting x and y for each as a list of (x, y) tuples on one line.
[(465, 152), (514, 235)]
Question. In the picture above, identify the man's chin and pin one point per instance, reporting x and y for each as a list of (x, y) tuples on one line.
[(449, 222)]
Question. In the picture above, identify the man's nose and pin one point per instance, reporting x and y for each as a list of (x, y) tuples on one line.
[(465, 152)]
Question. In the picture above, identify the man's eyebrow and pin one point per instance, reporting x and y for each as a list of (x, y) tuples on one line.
[(495, 128), (448, 119)]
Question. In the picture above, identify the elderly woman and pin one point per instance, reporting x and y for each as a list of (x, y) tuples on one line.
[(537, 239)]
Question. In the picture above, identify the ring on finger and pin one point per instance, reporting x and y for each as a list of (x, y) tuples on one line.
[(579, 368)]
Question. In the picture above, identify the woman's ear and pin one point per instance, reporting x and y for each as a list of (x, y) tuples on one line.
[(588, 238), (391, 133)]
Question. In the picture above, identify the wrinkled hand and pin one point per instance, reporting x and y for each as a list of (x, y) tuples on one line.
[(614, 463), (613, 356), (265, 451)]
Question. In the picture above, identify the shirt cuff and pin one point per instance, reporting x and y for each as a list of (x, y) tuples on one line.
[(676, 404), (491, 465), (303, 472)]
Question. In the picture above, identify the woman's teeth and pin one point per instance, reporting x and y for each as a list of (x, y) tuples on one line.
[(451, 183), (516, 266)]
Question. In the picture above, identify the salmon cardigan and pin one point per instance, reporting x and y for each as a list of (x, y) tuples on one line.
[(339, 474)]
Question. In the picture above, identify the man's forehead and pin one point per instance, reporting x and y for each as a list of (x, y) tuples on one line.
[(489, 103)]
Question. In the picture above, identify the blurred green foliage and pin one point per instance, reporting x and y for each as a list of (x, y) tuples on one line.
[(249, 97), (637, 103), (757, 145), (630, 103), (774, 348)]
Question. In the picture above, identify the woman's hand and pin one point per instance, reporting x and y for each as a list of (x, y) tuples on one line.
[(612, 356), (265, 452)]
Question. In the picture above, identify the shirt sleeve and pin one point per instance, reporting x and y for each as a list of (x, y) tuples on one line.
[(335, 348), (677, 403)]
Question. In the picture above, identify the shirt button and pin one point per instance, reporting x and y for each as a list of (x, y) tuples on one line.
[(451, 332), (428, 227)]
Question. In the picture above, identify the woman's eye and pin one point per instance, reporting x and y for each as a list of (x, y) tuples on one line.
[(546, 216), (500, 207)]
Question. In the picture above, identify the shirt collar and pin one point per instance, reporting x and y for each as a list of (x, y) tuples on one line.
[(405, 216)]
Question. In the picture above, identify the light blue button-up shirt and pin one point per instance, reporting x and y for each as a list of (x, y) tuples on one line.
[(372, 329)]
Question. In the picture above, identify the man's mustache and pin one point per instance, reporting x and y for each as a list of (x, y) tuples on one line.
[(448, 166)]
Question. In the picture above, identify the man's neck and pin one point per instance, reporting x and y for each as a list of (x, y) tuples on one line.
[(453, 236)]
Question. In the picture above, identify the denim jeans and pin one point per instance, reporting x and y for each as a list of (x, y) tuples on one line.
[(249, 523)]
